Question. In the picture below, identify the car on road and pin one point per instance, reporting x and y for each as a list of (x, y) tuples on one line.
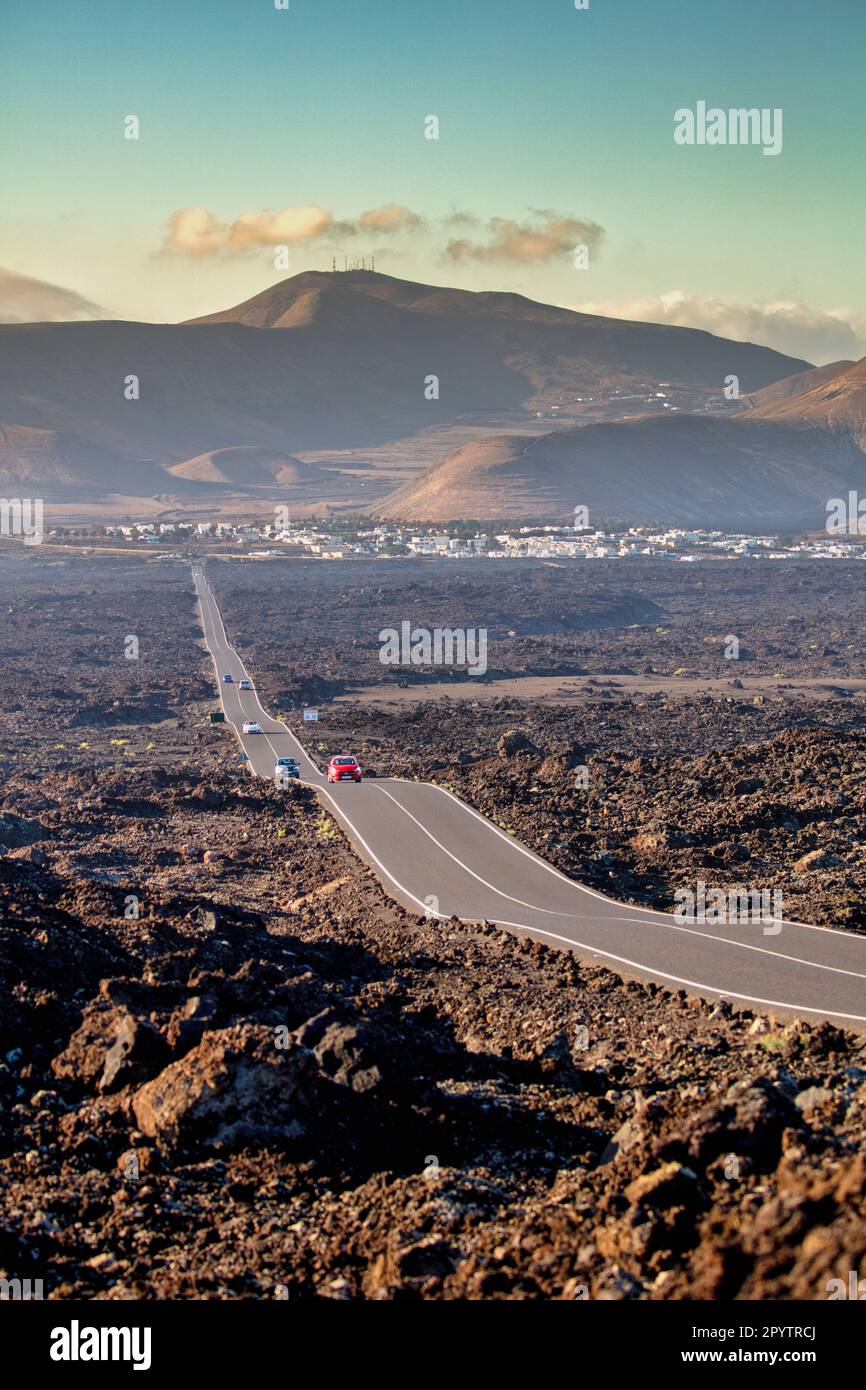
[(245, 684), (252, 726), (290, 767), (344, 768), (228, 679)]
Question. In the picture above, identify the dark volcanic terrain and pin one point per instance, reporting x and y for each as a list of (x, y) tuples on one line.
[(310, 626), (272, 1080), (768, 789)]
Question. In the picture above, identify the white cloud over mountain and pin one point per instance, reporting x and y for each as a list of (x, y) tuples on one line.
[(25, 300), (818, 335)]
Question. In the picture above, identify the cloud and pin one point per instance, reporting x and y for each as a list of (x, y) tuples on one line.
[(390, 218), (23, 300), (462, 219), (818, 335), (543, 237), (196, 232), (289, 225)]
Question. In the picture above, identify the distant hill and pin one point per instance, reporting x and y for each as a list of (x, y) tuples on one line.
[(46, 459), (247, 466), (503, 346), (766, 469), (791, 386), (318, 362), (823, 399)]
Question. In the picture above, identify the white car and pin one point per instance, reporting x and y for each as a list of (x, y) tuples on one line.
[(245, 684), (252, 726), (290, 766)]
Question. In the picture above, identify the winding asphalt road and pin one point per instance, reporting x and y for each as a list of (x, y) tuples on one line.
[(439, 857)]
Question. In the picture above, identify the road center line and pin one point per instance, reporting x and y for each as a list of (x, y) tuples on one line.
[(209, 608)]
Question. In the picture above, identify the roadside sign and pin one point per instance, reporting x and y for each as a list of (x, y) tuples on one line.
[(311, 716)]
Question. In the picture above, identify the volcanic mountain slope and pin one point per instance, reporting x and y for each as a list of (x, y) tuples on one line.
[(824, 400), (744, 473), (543, 344), (25, 452), (792, 386), (41, 456), (247, 466), (329, 360)]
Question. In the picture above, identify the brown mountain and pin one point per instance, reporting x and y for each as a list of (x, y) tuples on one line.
[(752, 471), (795, 385), (824, 400), (46, 458), (247, 466), (324, 361), (507, 347)]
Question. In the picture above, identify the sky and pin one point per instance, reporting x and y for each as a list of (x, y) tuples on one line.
[(304, 128)]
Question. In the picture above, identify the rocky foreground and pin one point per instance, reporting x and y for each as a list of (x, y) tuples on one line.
[(233, 1068), (274, 1081)]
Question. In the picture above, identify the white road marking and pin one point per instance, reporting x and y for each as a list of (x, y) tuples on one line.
[(666, 924), (583, 887), (525, 926)]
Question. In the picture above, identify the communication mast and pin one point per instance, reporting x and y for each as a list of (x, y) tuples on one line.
[(359, 263)]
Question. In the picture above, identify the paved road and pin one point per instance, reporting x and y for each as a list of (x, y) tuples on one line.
[(438, 856)]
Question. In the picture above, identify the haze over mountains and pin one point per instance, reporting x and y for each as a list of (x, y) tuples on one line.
[(499, 338), (772, 466), (337, 361), (247, 466), (823, 399), (323, 361), (796, 385)]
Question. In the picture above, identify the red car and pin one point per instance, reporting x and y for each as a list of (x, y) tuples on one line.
[(344, 769)]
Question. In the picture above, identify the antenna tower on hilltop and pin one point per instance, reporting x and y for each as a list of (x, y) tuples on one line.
[(359, 263)]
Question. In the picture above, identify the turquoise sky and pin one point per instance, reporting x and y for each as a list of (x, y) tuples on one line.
[(244, 108)]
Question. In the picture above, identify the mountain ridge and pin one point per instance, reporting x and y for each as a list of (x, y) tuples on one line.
[(772, 467), (322, 361)]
